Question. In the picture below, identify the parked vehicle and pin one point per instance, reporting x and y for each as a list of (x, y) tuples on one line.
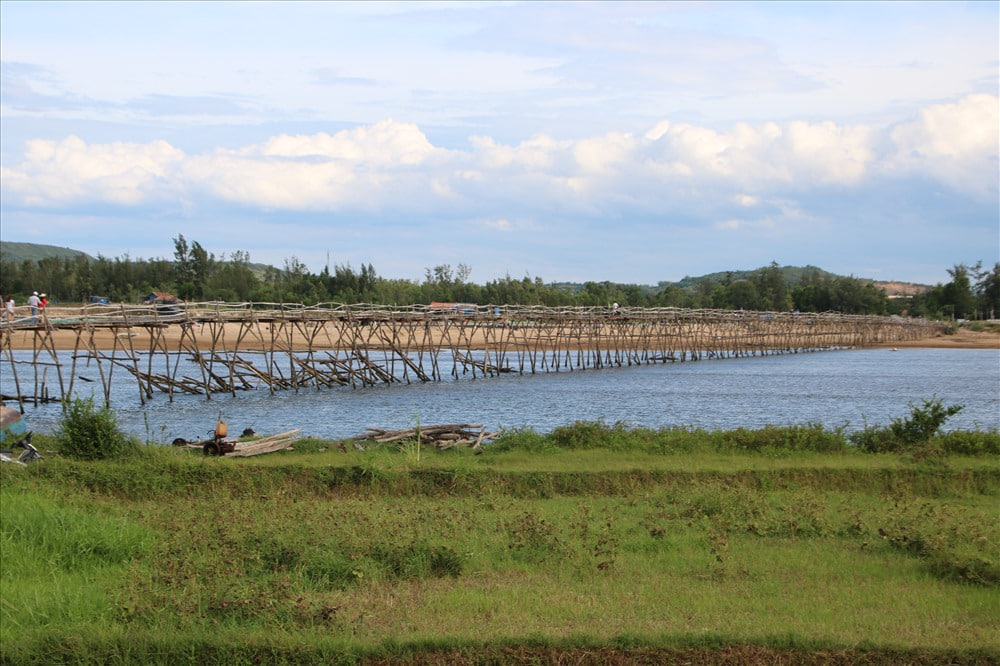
[(13, 433)]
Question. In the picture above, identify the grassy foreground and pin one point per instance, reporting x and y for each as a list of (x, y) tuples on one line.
[(592, 544)]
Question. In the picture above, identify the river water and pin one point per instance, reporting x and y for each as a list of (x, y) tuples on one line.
[(848, 388)]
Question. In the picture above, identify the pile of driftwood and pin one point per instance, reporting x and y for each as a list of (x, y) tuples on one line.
[(264, 445), (444, 437), (235, 448)]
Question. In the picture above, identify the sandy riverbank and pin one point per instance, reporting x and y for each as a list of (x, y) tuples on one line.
[(963, 338)]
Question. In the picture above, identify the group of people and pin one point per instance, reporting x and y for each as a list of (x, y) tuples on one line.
[(37, 302)]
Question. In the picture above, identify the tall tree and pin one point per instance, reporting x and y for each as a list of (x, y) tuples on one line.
[(988, 290), (958, 296)]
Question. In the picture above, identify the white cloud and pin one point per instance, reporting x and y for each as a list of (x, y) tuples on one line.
[(799, 153), (601, 154), (385, 143), (786, 216), (537, 153), (498, 225), (955, 144), (829, 153), (55, 172), (394, 166), (273, 184)]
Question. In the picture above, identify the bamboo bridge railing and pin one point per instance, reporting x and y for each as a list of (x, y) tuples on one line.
[(212, 348)]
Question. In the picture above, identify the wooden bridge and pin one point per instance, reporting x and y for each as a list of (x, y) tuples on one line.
[(212, 348)]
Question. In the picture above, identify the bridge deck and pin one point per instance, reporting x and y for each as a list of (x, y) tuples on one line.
[(232, 347)]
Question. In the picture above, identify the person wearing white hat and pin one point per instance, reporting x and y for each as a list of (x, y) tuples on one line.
[(35, 303)]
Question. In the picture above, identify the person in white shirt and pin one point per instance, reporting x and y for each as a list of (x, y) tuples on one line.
[(34, 302)]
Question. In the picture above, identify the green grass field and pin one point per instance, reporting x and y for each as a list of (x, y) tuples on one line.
[(592, 544)]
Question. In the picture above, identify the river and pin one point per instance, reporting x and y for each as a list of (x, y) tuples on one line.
[(849, 388)]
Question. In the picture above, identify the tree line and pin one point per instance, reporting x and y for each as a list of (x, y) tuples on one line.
[(196, 274)]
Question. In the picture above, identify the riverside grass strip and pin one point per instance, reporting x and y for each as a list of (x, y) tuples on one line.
[(413, 338), (681, 572), (570, 555), (224, 650)]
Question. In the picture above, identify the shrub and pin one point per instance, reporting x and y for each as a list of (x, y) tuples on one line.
[(89, 433), (924, 422), (922, 425), (593, 435), (812, 437), (521, 439), (969, 443), (875, 439)]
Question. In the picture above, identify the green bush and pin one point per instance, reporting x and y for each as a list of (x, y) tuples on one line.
[(521, 439), (90, 433), (969, 442), (902, 434), (919, 432), (585, 435), (812, 437), (592, 435)]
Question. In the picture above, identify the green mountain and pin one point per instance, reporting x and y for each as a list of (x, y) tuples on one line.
[(18, 252), (792, 274)]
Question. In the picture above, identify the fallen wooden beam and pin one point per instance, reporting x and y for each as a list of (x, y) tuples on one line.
[(443, 436), (264, 445)]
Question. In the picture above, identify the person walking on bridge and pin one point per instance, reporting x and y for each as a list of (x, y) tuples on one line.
[(34, 303)]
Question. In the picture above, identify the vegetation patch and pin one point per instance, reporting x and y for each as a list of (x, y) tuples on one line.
[(92, 433), (778, 544)]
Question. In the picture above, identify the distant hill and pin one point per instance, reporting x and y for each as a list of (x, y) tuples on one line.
[(792, 274), (19, 252), (902, 289)]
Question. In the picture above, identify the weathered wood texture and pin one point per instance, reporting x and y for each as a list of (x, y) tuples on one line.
[(235, 347)]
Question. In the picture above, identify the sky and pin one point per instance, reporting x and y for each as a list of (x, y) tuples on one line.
[(631, 142)]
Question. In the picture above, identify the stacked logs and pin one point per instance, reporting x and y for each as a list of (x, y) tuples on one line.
[(235, 448), (270, 444), (444, 436)]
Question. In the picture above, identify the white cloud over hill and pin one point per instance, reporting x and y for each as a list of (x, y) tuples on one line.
[(393, 166)]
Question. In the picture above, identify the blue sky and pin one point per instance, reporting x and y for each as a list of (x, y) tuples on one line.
[(632, 142)]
